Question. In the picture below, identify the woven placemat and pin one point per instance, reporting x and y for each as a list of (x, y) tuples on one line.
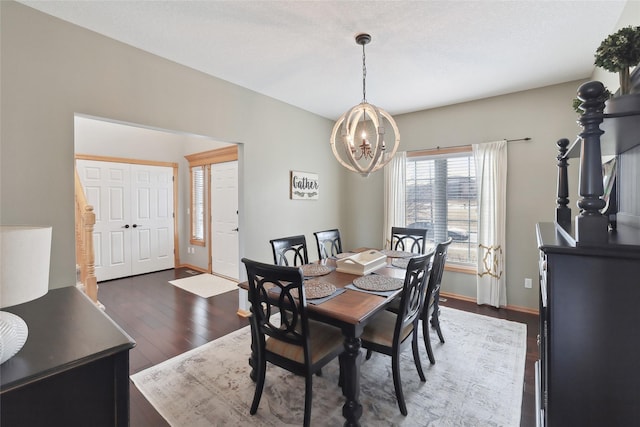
[(315, 289), (313, 270), (374, 282), (401, 262), (397, 254)]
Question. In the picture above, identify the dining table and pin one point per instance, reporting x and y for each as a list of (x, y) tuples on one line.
[(350, 309)]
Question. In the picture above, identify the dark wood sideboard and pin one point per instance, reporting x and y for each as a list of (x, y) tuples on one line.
[(72, 371), (588, 373)]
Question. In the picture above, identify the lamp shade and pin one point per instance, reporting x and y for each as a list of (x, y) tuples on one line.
[(24, 263)]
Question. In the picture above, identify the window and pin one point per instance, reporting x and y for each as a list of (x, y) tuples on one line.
[(197, 204), (441, 196)]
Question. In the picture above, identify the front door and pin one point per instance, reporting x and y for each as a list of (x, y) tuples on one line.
[(224, 219)]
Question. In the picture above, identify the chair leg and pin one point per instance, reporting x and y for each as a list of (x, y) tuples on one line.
[(369, 353), (260, 376), (435, 322), (319, 372), (427, 341), (397, 384), (308, 394), (416, 355)]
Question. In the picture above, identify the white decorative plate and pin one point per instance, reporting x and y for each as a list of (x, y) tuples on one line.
[(374, 282), (312, 270), (13, 335)]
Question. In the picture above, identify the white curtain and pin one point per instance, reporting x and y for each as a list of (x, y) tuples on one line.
[(394, 200), (491, 180)]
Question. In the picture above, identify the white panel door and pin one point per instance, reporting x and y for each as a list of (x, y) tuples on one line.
[(134, 217), (107, 189), (224, 219), (152, 218)]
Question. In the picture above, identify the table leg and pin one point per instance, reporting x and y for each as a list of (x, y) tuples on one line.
[(350, 360)]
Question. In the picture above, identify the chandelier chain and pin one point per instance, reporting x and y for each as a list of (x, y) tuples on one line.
[(364, 76)]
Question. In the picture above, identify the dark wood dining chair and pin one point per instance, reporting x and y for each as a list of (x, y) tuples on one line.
[(296, 343), (329, 243), (409, 239), (431, 307), (290, 251), (389, 333)]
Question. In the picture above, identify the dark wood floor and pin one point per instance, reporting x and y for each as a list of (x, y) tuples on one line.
[(166, 321)]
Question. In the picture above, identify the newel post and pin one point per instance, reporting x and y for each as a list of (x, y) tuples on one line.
[(563, 212), (90, 281), (591, 226)]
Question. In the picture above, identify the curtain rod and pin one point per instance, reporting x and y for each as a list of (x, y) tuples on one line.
[(469, 145)]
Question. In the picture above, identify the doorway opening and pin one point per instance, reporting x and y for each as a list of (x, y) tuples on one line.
[(100, 138)]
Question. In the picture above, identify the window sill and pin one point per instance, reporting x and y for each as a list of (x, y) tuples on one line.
[(461, 268)]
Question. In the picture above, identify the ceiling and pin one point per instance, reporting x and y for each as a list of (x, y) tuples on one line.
[(423, 54)]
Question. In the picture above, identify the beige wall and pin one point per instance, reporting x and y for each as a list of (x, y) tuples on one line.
[(545, 115), (52, 70)]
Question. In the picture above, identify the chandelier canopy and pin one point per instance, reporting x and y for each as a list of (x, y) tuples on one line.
[(358, 137)]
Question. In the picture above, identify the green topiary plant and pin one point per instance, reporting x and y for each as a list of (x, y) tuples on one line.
[(618, 52)]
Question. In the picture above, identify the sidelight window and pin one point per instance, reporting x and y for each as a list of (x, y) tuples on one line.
[(197, 204)]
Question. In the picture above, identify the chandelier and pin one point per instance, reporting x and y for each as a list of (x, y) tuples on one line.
[(357, 139)]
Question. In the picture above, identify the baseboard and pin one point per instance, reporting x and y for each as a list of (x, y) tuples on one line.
[(508, 307), (193, 267)]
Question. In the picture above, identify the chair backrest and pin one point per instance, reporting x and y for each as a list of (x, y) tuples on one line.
[(409, 239), (290, 251), (329, 243), (277, 289), (437, 269), (413, 292)]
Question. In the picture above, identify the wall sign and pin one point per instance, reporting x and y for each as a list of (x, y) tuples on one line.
[(303, 186)]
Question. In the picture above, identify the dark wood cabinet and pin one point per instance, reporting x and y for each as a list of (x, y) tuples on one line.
[(588, 373), (589, 336), (73, 369)]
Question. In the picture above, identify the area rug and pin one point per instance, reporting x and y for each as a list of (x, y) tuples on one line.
[(477, 381), (205, 285)]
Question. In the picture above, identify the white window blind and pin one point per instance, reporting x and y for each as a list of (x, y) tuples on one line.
[(197, 202), (441, 196)]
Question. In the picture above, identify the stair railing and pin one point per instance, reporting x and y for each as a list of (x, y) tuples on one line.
[(85, 256)]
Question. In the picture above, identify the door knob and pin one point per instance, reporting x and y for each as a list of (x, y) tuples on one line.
[(235, 229), (125, 226), (135, 225)]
